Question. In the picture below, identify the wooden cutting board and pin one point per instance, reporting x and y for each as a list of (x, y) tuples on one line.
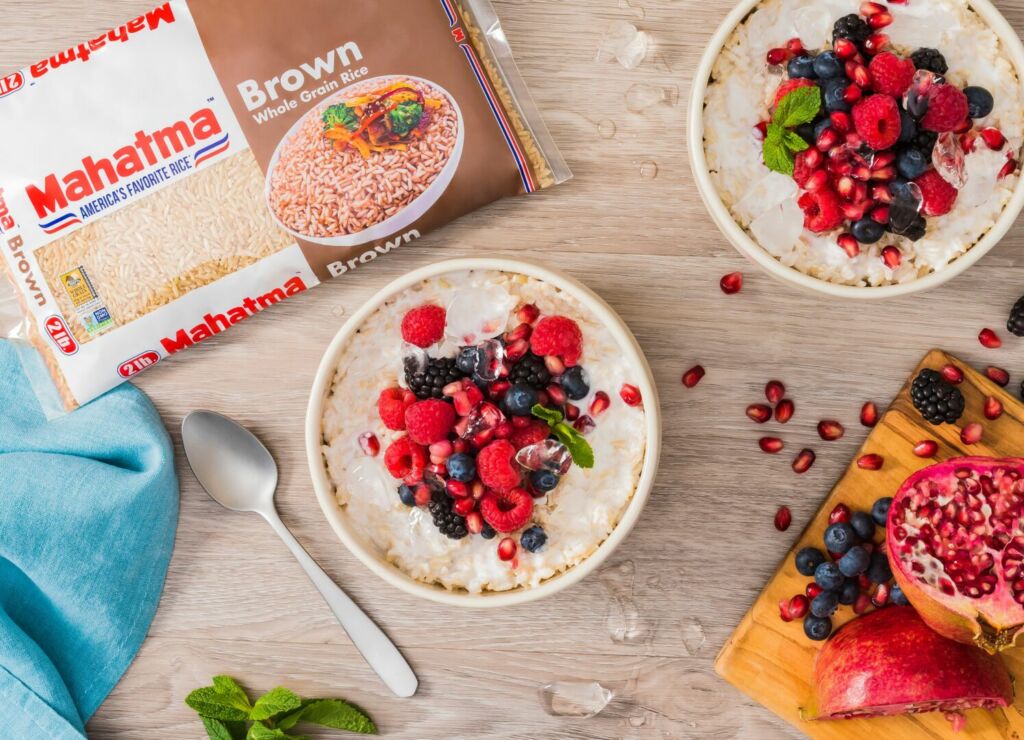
[(772, 661)]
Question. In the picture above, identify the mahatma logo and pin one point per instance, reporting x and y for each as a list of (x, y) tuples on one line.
[(210, 151), (11, 84), (137, 364), (61, 335), (59, 224)]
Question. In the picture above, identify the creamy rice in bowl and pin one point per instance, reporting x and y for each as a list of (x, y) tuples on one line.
[(582, 519), (734, 90), (367, 162)]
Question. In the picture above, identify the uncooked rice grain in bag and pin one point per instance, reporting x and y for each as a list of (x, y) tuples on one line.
[(182, 172)]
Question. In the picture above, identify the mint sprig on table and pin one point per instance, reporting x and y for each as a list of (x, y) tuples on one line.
[(781, 144), (226, 712), (581, 451)]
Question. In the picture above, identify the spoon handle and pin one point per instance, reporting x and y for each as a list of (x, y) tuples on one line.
[(369, 639)]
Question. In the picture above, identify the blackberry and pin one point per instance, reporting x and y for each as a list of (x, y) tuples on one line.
[(450, 524), (935, 399), (924, 142), (930, 59), (851, 27), (1016, 321), (429, 382), (531, 371)]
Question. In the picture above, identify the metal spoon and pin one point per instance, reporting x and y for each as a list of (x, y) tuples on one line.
[(239, 473)]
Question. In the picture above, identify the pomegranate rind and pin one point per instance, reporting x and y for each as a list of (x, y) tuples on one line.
[(992, 620), (890, 662)]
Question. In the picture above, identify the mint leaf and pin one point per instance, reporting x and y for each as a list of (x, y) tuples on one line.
[(339, 715), (794, 142), (260, 731), (209, 702), (217, 730), (800, 105), (776, 156), (578, 446), (551, 416), (230, 690), (276, 701)]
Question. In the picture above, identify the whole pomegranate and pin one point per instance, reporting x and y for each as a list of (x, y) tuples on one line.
[(890, 662), (955, 539)]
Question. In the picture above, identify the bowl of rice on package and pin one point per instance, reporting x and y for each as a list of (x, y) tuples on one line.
[(224, 158)]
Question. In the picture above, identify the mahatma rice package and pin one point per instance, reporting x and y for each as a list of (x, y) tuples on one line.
[(222, 157)]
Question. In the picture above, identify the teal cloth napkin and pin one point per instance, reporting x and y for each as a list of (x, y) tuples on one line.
[(88, 511)]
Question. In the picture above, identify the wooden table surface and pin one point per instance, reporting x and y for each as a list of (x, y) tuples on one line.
[(235, 601)]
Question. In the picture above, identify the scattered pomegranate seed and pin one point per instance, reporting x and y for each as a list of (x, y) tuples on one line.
[(990, 339), (759, 412), (783, 518), (881, 597), (817, 181), (784, 614), (952, 374), (584, 425), (572, 412), (456, 488), (523, 331), (732, 283), (840, 513), (761, 130), (556, 394), (693, 376), (862, 604), (840, 121), (869, 414), (507, 548), (464, 506), (972, 433), (554, 365), (993, 408), (826, 140), (515, 351), (881, 193), (774, 391), (812, 590), (771, 445), (844, 48), (875, 43), (845, 186), (868, 9), (600, 403), (528, 313), (880, 20), (997, 375), (860, 76), (777, 56), (993, 138), (784, 411), (795, 46), (504, 430), (474, 522), (849, 245), (369, 444), (892, 257), (803, 461), (798, 606), (879, 214), (437, 468), (631, 395), (1009, 168), (967, 141), (870, 462), (830, 430), (926, 448)]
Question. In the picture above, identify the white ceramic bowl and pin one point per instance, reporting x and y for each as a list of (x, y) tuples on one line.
[(405, 217), (392, 574), (749, 248)]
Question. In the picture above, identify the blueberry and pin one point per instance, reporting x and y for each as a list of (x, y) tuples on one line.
[(467, 359), (825, 604), (827, 576), (834, 92), (461, 467), (802, 66), (863, 525), (820, 126), (911, 163), (806, 132), (855, 562), (897, 597), (979, 101), (575, 383), (839, 538), (828, 66), (867, 231), (519, 400), (808, 559), (880, 510), (543, 480), (817, 628), (533, 539), (849, 592), (879, 572), (487, 532), (908, 127), (407, 494)]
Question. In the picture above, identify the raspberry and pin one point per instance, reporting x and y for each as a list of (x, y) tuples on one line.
[(891, 75), (937, 195), (822, 210), (391, 406), (947, 109), (559, 336), (877, 120), (789, 86), (495, 465), (406, 460), (507, 511), (429, 421), (534, 432), (424, 326)]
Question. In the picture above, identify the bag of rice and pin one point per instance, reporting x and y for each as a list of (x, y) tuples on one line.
[(206, 160)]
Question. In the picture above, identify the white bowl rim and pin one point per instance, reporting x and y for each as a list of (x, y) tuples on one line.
[(749, 248), (391, 573)]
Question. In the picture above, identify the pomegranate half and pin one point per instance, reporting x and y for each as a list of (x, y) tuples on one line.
[(955, 540), (890, 662)]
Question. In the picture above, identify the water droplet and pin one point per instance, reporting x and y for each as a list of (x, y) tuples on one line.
[(624, 43), (693, 635), (580, 699), (606, 128), (641, 96), (549, 455), (648, 169), (624, 621), (905, 207), (948, 159), (338, 310)]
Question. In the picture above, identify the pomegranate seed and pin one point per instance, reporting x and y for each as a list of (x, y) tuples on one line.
[(840, 121), (990, 339), (774, 391), (517, 350), (845, 186), (759, 412), (844, 48), (530, 313), (794, 46), (926, 448), (523, 331), (497, 389), (442, 449), (464, 506), (892, 257), (827, 139), (554, 365), (881, 193), (477, 489), (883, 159), (474, 522), (1009, 168), (693, 376), (761, 130), (884, 174), (849, 245), (875, 43), (556, 394), (369, 444), (783, 518), (997, 375), (967, 141), (422, 494), (817, 180), (584, 425), (777, 56), (504, 430), (572, 412), (507, 549), (881, 597), (784, 411), (952, 374), (830, 430), (813, 158), (964, 127), (798, 606), (993, 408), (784, 614), (732, 283), (630, 394), (864, 582), (972, 433), (600, 403), (862, 604), (993, 138), (803, 461), (812, 590), (771, 445), (853, 93), (437, 469), (880, 20), (870, 462), (880, 215), (859, 74), (868, 9), (869, 414), (840, 513)]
